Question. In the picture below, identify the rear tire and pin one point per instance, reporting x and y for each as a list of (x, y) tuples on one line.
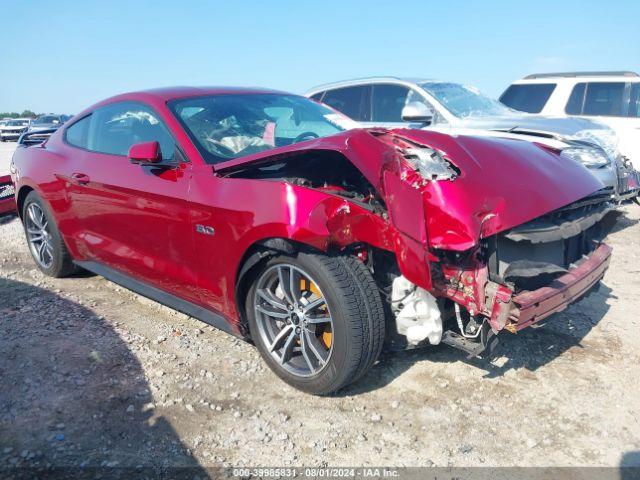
[(43, 237), (352, 302)]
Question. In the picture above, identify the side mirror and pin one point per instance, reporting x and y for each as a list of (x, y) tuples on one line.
[(417, 112), (147, 152)]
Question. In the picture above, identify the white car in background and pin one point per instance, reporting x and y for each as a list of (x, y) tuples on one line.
[(13, 128), (458, 109), (612, 98)]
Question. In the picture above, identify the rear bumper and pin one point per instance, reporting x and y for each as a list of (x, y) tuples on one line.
[(532, 306)]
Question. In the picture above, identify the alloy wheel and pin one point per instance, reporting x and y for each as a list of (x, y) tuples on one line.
[(294, 320), (39, 236)]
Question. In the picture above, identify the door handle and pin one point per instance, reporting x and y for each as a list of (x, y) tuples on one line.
[(80, 178)]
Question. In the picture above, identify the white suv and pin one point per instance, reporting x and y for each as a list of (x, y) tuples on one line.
[(612, 98)]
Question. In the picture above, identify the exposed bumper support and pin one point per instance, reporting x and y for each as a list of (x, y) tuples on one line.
[(532, 306), (629, 195)]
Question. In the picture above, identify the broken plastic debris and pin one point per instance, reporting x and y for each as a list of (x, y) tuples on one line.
[(429, 163)]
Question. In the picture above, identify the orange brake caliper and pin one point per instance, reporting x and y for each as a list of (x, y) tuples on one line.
[(327, 334)]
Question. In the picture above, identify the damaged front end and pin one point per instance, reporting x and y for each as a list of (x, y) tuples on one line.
[(509, 241), (552, 260), (521, 276), (465, 236)]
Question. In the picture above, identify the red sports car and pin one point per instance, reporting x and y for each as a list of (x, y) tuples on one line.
[(266, 215)]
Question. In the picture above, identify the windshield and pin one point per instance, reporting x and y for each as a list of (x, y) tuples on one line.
[(17, 123), (231, 126), (463, 101), (46, 119)]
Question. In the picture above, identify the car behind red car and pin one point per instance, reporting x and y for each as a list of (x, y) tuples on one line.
[(263, 214)]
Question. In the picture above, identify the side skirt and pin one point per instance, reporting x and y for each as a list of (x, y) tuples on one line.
[(160, 296)]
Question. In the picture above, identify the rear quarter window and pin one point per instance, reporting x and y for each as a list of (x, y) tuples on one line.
[(77, 133), (529, 98)]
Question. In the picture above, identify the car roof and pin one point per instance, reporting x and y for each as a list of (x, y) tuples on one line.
[(366, 80), (166, 94), (622, 76)]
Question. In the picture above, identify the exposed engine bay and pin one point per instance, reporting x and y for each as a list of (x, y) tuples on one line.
[(326, 171)]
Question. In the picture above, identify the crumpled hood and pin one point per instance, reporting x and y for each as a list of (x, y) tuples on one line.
[(503, 183)]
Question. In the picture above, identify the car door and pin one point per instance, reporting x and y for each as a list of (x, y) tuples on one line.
[(132, 217)]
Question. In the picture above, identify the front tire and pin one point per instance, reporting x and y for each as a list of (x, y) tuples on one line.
[(317, 320), (43, 237)]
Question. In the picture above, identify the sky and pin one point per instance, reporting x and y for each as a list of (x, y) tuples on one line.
[(60, 56)]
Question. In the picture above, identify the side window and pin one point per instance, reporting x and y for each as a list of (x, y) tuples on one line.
[(76, 134), (387, 102), (531, 97), (115, 128), (317, 96), (576, 99), (350, 100), (605, 98)]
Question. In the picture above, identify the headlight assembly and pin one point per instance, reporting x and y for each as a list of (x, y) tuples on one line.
[(589, 157), (430, 163), (605, 138)]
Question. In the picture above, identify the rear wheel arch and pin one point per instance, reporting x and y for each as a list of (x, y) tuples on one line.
[(21, 197), (47, 247)]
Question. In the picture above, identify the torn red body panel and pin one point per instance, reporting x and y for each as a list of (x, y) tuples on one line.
[(501, 185)]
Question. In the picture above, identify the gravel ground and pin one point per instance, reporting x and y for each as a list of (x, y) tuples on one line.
[(92, 374)]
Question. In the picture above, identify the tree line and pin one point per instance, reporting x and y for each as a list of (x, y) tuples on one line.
[(24, 114)]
